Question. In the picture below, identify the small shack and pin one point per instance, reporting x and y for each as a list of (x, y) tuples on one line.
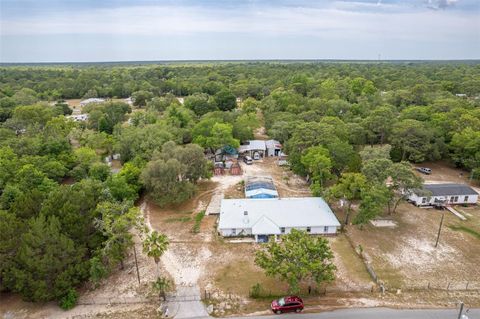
[(226, 153), (235, 169), (218, 168), (274, 148)]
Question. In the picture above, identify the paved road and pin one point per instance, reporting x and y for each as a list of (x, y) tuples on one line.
[(377, 313), (187, 303)]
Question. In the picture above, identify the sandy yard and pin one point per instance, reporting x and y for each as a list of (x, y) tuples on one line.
[(443, 172), (226, 270), (202, 262), (405, 257)]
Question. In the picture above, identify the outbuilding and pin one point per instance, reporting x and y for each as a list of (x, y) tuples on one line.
[(253, 148), (262, 218), (274, 148), (260, 187), (444, 194)]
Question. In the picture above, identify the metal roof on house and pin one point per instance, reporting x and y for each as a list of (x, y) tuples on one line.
[(449, 189), (285, 212)]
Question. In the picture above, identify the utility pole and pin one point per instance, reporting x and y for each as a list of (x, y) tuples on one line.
[(136, 262), (439, 230), (461, 310)]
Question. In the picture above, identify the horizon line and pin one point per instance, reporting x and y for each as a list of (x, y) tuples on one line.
[(235, 60)]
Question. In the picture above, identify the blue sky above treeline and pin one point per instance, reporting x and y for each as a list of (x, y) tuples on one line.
[(120, 30)]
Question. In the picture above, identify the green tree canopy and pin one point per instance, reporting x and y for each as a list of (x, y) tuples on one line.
[(298, 257)]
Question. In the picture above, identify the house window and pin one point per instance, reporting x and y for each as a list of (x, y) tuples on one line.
[(282, 230), (465, 199), (424, 200), (309, 229), (325, 229), (234, 231)]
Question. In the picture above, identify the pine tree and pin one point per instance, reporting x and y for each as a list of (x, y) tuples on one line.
[(48, 263)]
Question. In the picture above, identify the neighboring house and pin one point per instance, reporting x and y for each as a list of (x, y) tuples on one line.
[(265, 217), (254, 148), (260, 187), (444, 194), (274, 148), (91, 100), (79, 117), (461, 95), (129, 101)]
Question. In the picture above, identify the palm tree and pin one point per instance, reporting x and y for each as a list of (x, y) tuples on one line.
[(154, 245)]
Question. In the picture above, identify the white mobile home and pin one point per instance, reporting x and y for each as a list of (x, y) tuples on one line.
[(274, 216), (91, 100), (444, 194)]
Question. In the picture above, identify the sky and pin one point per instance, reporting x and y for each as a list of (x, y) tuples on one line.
[(152, 30)]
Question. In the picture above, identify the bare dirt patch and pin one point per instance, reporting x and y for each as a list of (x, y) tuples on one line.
[(446, 173), (177, 221), (287, 183)]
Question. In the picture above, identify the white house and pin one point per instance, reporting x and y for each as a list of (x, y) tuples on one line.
[(264, 217), (444, 194), (79, 117), (91, 100)]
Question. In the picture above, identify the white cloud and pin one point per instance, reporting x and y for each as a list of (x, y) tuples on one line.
[(340, 19)]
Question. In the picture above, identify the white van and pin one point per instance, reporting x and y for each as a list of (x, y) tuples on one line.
[(248, 160)]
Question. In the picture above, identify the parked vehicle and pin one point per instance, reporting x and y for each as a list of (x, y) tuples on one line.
[(424, 170), (287, 304), (248, 160)]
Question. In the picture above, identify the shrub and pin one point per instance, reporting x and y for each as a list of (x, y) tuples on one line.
[(198, 220), (69, 300), (255, 291)]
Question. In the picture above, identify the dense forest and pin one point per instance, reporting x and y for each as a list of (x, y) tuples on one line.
[(66, 218)]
